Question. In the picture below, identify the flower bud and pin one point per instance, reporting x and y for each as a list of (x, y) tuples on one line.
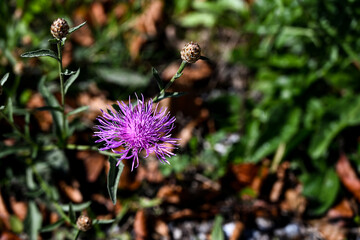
[(84, 223), (191, 52), (59, 28)]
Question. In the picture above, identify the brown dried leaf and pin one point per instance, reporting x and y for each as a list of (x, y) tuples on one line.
[(67, 54), (82, 36), (43, 118), (170, 193), (19, 208), (294, 201), (103, 201), (93, 162), (4, 214), (71, 192), (348, 176), (97, 14), (140, 225), (239, 228), (244, 172), (9, 236), (162, 229), (342, 210), (145, 26), (329, 231)]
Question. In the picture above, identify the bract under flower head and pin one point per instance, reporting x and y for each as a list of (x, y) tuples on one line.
[(137, 128)]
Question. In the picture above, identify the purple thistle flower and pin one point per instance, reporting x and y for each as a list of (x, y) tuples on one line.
[(137, 128)]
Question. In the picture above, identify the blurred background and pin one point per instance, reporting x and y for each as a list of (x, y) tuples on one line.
[(269, 127)]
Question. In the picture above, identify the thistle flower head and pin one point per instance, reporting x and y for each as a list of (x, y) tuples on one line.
[(137, 128), (59, 28), (191, 52)]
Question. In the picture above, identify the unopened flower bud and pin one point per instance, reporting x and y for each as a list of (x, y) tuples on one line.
[(191, 52), (84, 223), (59, 28)]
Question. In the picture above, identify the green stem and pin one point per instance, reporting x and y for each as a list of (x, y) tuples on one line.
[(172, 80), (62, 90), (79, 147), (77, 234)]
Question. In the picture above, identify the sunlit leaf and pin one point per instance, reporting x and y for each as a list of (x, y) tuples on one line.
[(41, 53), (76, 207), (78, 110), (33, 220), (114, 178), (77, 27), (217, 232), (70, 81), (4, 79)]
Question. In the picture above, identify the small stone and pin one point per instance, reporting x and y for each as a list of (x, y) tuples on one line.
[(264, 224), (229, 228)]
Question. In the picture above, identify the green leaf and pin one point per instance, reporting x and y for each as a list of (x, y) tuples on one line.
[(321, 189), (71, 79), (77, 27), (53, 226), (53, 41), (76, 207), (284, 135), (68, 73), (10, 110), (41, 53), (12, 150), (16, 224), (78, 110), (4, 79), (171, 94), (123, 77), (217, 232), (103, 221), (33, 221), (158, 79), (72, 214), (52, 102), (114, 178)]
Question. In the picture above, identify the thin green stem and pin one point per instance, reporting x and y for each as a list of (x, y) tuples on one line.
[(62, 90), (172, 80)]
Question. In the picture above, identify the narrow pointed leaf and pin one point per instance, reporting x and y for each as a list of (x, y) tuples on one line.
[(41, 53), (33, 220), (78, 110), (217, 232), (47, 108), (170, 95), (76, 207), (103, 221), (10, 110), (114, 178), (4, 79), (77, 27), (52, 102), (158, 79), (71, 79), (53, 226)]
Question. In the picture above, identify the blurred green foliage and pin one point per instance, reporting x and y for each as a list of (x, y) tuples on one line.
[(304, 64)]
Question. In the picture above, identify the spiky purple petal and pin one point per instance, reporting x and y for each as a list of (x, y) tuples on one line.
[(137, 128)]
